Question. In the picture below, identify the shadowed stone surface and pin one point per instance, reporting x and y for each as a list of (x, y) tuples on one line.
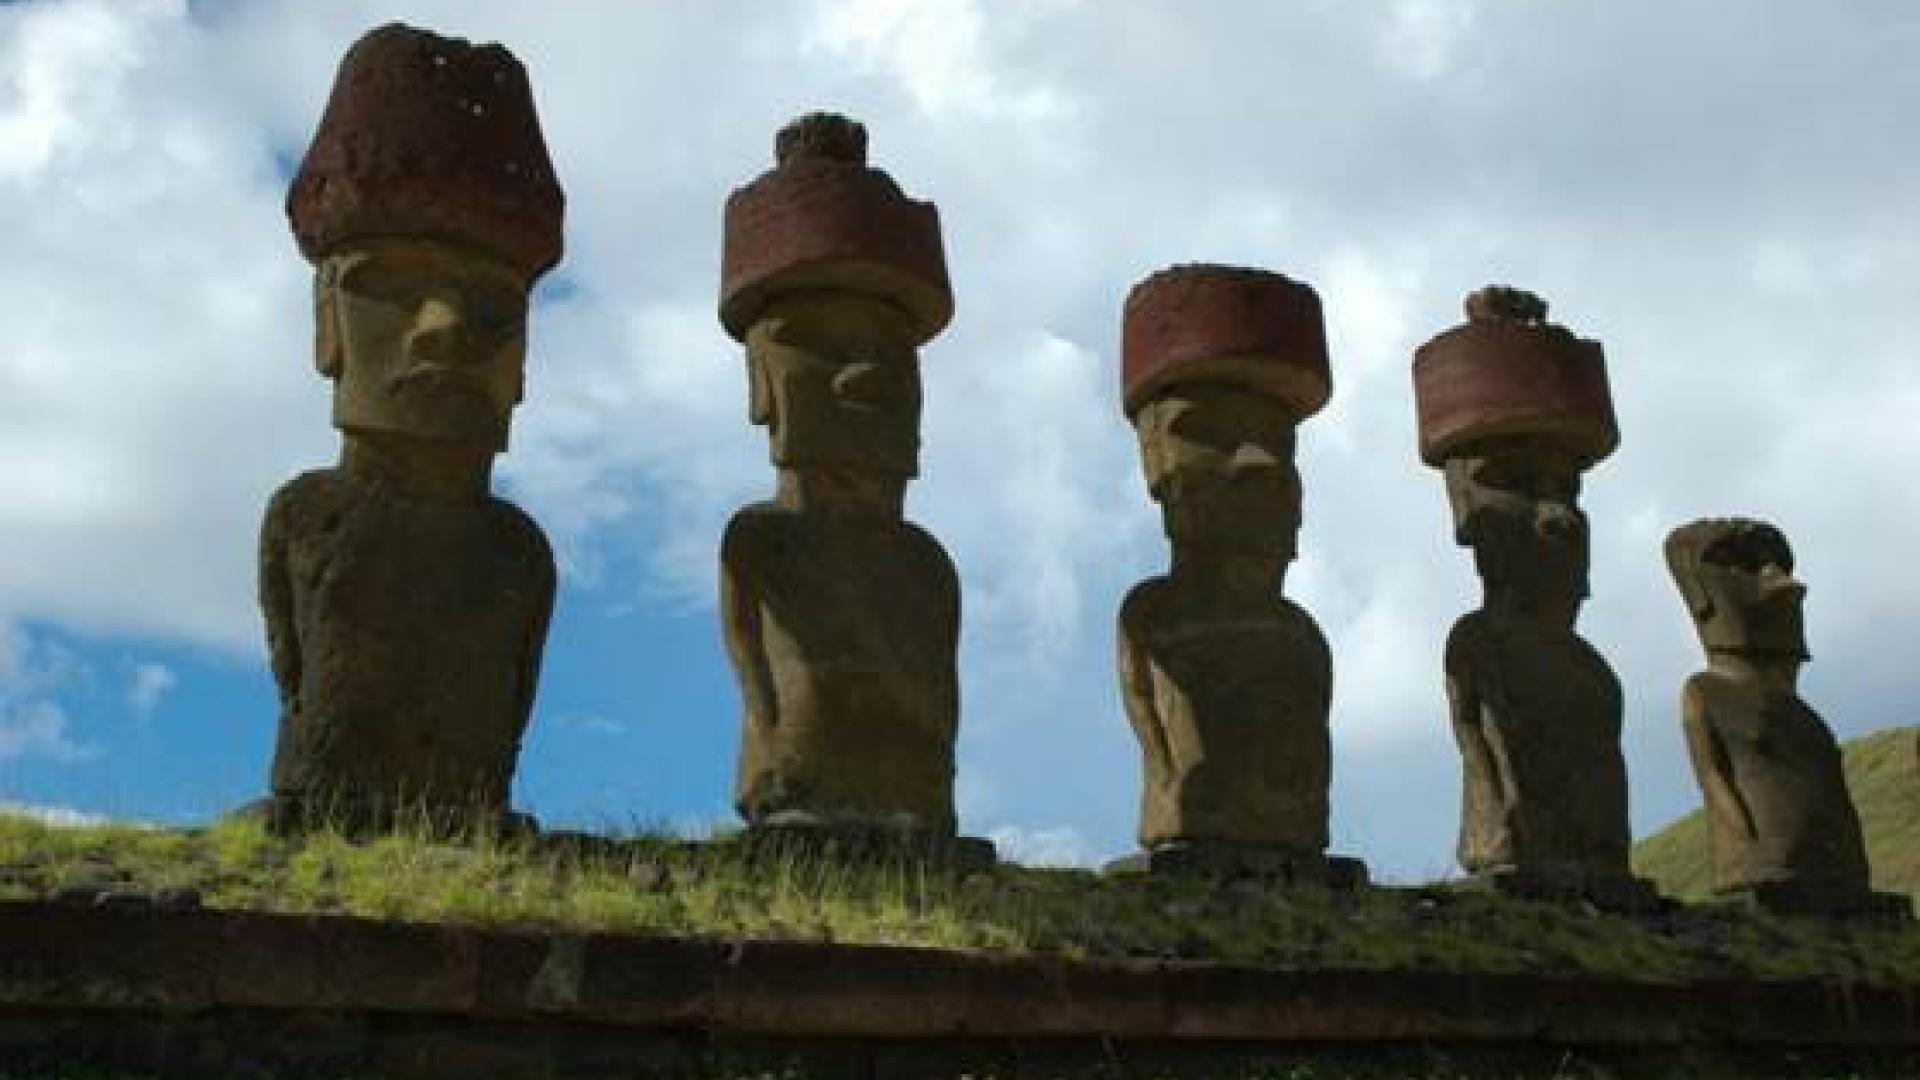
[(1782, 831), (1226, 682), (406, 607), (841, 618), (1514, 409)]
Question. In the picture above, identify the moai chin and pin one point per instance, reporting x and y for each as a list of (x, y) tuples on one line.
[(1782, 831), (1513, 409), (1226, 682), (841, 617), (407, 607)]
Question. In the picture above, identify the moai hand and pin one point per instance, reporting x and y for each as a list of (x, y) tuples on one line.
[(1514, 409), (406, 607), (841, 617), (1782, 831), (1227, 683)]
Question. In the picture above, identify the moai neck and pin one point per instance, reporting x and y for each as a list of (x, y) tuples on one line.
[(1550, 611), (416, 470), (1215, 572), (842, 494), (1775, 671)]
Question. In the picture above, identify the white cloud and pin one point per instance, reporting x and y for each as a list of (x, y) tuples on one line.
[(1062, 846), (59, 816), (32, 674), (149, 683)]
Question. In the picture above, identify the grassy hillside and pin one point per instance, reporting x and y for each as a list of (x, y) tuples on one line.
[(1883, 776)]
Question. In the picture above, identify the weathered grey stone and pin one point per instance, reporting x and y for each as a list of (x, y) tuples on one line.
[(406, 607), (1226, 682), (841, 617), (1782, 830), (1514, 409)]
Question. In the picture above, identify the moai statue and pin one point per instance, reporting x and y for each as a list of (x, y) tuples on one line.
[(1513, 409), (1781, 829), (1227, 683), (406, 607), (841, 617)]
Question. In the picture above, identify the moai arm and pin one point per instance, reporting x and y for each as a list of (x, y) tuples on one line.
[(1710, 765), (947, 618), (536, 640), (1484, 762), (1136, 691), (276, 598), (740, 624)]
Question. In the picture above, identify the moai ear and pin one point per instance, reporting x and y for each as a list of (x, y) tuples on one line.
[(759, 391), (1462, 499), (1684, 550), (328, 349)]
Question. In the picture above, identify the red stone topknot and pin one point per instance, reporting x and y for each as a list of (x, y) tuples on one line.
[(823, 220), (429, 136), (1506, 375)]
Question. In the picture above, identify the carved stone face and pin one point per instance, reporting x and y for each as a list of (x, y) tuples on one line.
[(1219, 459), (423, 339), (837, 383), (1516, 506), (1743, 595)]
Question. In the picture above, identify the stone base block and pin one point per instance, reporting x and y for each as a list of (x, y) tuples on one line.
[(1621, 894), (864, 843), (1796, 898), (1212, 859)]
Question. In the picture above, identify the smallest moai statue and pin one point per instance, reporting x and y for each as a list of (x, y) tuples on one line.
[(1513, 409), (1782, 832), (1226, 682)]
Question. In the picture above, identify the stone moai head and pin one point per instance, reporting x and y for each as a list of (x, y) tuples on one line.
[(833, 278), (1736, 576), (429, 207), (1219, 365), (1514, 409)]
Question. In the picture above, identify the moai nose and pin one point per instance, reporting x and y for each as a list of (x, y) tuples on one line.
[(439, 330), (1558, 521), (1778, 580), (862, 381), (1249, 461)]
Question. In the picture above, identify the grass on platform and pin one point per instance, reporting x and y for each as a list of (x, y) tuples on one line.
[(665, 886)]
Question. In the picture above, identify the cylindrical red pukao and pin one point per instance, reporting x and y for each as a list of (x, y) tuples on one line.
[(820, 219), (1205, 322), (429, 136), (1508, 373)]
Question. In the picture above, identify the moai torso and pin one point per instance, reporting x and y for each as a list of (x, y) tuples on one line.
[(405, 638), (1778, 813), (1538, 716), (852, 633), (1226, 682), (406, 607), (841, 617), (1230, 707), (1792, 821)]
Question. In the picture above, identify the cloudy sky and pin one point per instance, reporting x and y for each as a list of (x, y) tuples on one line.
[(1722, 191)]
